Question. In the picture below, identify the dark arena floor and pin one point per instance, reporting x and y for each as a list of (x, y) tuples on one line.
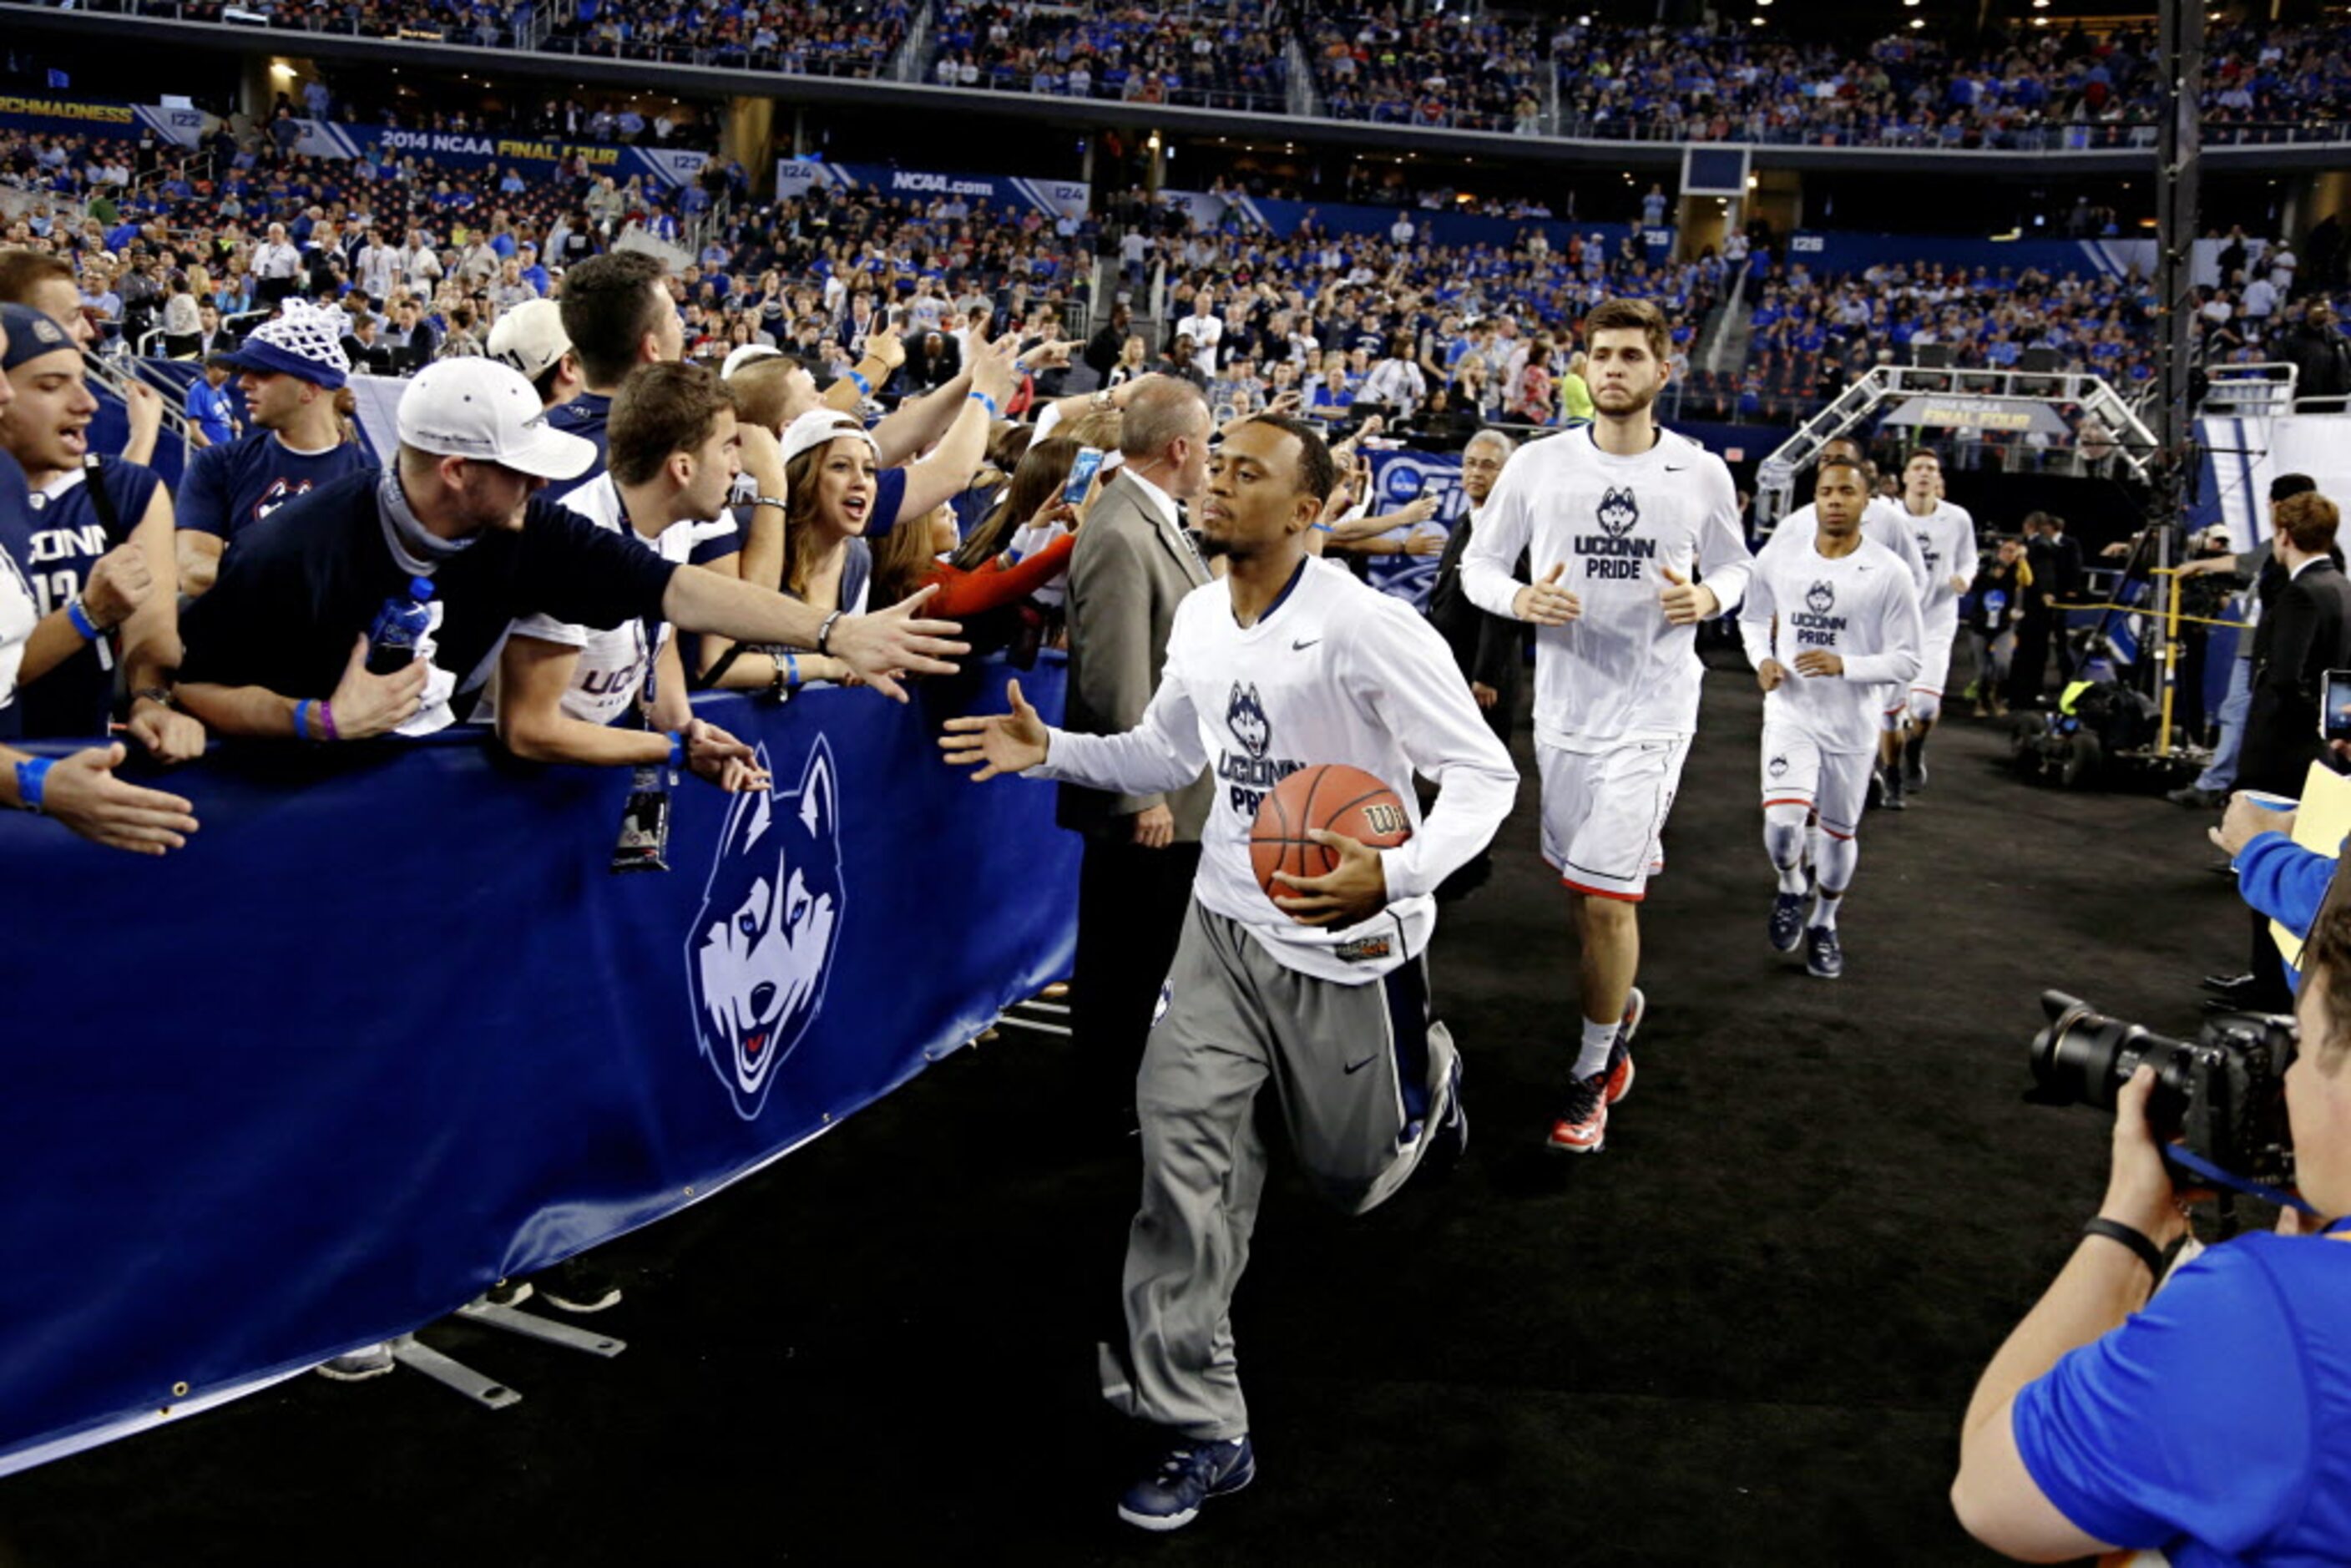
[(1743, 1335)]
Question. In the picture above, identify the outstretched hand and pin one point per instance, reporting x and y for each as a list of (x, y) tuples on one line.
[(1010, 742), (880, 647)]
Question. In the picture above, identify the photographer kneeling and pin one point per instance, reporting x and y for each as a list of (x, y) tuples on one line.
[(2212, 1423)]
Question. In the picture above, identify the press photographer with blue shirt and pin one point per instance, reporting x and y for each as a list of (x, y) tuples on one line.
[(2211, 1421)]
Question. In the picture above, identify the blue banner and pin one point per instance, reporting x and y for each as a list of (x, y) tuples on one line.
[(1398, 479), (796, 177), (661, 168), (389, 1030)]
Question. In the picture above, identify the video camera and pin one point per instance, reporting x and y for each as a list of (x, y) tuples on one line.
[(2223, 1094)]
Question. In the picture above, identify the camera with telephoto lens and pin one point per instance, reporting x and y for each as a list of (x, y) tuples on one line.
[(2221, 1095)]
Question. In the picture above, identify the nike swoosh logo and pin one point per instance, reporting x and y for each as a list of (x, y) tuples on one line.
[(1297, 647), (1675, 467), (1359, 1066)]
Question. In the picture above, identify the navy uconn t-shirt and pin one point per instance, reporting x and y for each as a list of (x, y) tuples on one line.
[(65, 536), (228, 489)]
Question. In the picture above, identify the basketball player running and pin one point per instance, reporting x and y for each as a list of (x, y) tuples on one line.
[(1947, 544), (1825, 625), (1613, 517), (1280, 666), (1885, 522)]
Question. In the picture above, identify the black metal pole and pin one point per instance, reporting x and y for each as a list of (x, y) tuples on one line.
[(2179, 157)]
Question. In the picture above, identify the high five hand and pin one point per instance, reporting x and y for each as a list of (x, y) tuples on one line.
[(1000, 743)]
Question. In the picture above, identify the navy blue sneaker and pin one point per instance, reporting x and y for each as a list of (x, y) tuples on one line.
[(1169, 1498), (1824, 953), (1787, 922)]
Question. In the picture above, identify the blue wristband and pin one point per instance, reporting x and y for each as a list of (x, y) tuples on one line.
[(32, 778), (302, 719), (792, 665), (865, 387), (676, 749), (1322, 528), (81, 621), (985, 401)]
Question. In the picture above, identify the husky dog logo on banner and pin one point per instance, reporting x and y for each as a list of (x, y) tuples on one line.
[(1398, 478), (762, 946)]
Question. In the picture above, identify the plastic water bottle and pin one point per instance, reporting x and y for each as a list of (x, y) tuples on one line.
[(399, 626)]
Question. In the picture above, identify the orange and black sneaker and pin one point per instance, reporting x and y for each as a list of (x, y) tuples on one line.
[(1583, 1124)]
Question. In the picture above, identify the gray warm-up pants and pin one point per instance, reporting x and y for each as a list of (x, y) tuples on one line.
[(1363, 1079)]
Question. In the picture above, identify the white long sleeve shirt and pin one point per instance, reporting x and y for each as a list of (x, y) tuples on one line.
[(1947, 543), (1334, 673), (1862, 608), (1618, 674)]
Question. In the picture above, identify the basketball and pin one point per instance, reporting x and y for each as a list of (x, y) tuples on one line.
[(1334, 796)]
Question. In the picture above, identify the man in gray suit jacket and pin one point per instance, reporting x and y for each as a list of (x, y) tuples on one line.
[(1132, 565)]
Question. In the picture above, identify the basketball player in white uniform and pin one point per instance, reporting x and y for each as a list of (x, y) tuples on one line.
[(1614, 516), (1282, 666), (1825, 624), (1884, 522), (1947, 545)]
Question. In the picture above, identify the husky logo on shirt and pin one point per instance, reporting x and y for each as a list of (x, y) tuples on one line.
[(1815, 627), (1618, 512), (1251, 775), (1776, 767), (1612, 552), (758, 954), (1245, 715), (280, 491), (1929, 553)]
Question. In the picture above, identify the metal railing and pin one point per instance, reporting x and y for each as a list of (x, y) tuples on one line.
[(1305, 103), (2263, 390), (907, 64), (2109, 423)]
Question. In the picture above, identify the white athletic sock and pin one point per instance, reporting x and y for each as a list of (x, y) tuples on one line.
[(1597, 1039), (1824, 908)]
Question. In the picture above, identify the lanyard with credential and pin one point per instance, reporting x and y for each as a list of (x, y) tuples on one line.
[(643, 843)]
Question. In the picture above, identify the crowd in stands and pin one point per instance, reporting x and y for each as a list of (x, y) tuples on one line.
[(842, 39), (1442, 69), (2037, 87), (1136, 54), (434, 257)]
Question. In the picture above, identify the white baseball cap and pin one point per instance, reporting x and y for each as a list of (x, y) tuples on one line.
[(475, 407), (530, 338), (820, 425)]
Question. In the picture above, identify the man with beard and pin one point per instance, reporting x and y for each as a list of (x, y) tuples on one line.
[(1615, 516)]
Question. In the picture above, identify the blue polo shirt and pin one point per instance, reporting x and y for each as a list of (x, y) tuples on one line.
[(2215, 1425)]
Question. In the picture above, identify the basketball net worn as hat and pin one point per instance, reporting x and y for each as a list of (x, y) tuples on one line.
[(530, 338), (304, 341), (477, 408), (747, 354)]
